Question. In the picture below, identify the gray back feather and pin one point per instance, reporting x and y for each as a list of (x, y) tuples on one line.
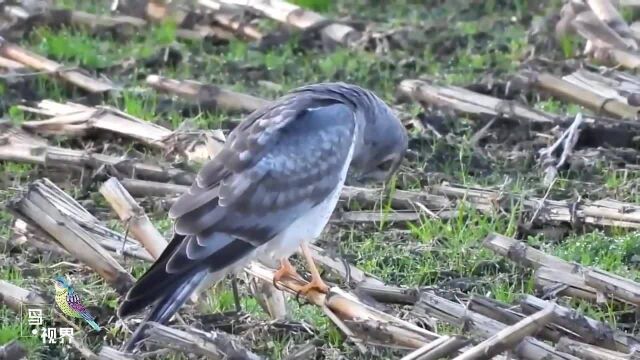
[(276, 165)]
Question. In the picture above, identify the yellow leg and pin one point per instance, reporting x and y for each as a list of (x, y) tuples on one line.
[(286, 269), (316, 281)]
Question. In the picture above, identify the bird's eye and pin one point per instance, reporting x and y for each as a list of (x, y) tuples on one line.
[(385, 165)]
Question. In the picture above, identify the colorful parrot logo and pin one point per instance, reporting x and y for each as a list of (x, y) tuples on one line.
[(69, 302)]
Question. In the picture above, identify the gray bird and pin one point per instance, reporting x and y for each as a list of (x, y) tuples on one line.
[(270, 190)]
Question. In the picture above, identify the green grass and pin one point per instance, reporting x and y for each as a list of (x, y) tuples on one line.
[(431, 252), (610, 253), (11, 331), (315, 5), (16, 326)]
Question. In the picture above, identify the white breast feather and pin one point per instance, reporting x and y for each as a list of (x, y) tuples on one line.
[(306, 228), (310, 225)]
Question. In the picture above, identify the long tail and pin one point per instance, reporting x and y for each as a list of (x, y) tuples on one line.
[(181, 269), (166, 307), (93, 324)]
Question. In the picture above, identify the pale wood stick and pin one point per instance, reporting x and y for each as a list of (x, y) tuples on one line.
[(614, 285), (45, 205), (506, 314), (17, 145), (133, 216), (300, 18), (430, 305), (112, 241), (524, 255), (591, 331), (140, 188), (607, 13), (235, 23), (347, 307), (109, 353), (437, 349), (270, 299), (471, 102), (76, 119), (10, 64), (509, 336), (214, 345), (35, 61), (551, 282), (591, 352), (209, 96), (16, 297), (591, 284), (567, 91)]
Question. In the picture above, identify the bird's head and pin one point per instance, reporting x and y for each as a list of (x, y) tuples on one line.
[(381, 141), (381, 144), (60, 284)]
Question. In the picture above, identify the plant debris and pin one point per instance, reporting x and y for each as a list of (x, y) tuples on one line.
[(511, 230)]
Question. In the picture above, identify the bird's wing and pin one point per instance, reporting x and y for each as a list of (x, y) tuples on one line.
[(275, 166), (272, 171), (76, 304)]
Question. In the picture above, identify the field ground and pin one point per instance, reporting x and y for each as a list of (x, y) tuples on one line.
[(479, 46)]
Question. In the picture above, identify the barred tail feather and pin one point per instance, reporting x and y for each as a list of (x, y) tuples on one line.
[(94, 325), (89, 319), (176, 275), (164, 309)]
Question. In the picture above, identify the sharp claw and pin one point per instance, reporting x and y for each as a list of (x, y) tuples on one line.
[(299, 300), (286, 269), (316, 284), (275, 285)]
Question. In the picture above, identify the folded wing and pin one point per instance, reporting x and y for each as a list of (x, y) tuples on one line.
[(275, 166)]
